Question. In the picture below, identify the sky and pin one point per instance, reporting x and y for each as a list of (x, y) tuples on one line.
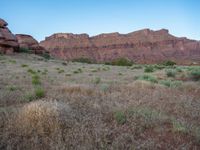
[(42, 18)]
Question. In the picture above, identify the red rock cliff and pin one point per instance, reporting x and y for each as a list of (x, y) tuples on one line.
[(144, 46), (8, 41)]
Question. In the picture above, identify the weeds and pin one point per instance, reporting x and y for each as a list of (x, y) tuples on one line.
[(39, 92)]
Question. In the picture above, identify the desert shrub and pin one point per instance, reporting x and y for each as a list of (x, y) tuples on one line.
[(24, 65), (82, 60), (146, 117), (61, 71), (120, 62), (136, 67), (170, 83), (79, 70), (36, 80), (170, 72), (148, 78), (31, 71), (13, 61), (120, 117), (179, 69), (68, 74), (12, 88), (159, 67), (46, 56), (64, 63), (149, 69), (179, 126), (24, 50), (97, 80), (195, 74), (39, 92), (29, 97), (168, 63)]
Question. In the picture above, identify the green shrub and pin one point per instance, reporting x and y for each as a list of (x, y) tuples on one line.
[(170, 83), (195, 74), (97, 80), (24, 65), (39, 92), (159, 67), (120, 117), (170, 73), (149, 69), (179, 126), (61, 71), (136, 67), (12, 88), (29, 97), (169, 63), (64, 63), (31, 71), (24, 50), (13, 61), (46, 56), (36, 80), (82, 60), (120, 62), (148, 78)]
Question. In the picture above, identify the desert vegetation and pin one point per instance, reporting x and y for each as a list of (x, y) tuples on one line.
[(51, 104)]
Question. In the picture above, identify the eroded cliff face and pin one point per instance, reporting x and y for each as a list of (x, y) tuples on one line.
[(144, 46), (28, 42), (8, 41)]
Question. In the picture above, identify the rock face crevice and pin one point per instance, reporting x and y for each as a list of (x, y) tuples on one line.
[(144, 46), (8, 41)]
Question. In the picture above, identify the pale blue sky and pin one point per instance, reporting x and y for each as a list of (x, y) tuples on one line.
[(41, 18)]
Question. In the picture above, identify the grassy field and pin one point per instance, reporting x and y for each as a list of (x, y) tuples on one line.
[(53, 104)]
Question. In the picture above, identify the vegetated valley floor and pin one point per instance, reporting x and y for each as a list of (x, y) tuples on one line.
[(53, 104)]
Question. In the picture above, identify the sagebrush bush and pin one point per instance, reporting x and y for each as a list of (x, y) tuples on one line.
[(170, 72), (147, 77), (120, 62), (169, 63), (170, 83), (83, 60), (149, 69), (120, 117), (195, 74)]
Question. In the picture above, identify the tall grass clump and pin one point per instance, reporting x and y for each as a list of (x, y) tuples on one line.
[(36, 79)]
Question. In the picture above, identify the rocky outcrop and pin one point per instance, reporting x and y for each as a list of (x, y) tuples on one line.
[(144, 46), (8, 41), (29, 43)]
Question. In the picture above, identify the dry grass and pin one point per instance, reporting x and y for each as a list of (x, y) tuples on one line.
[(77, 113)]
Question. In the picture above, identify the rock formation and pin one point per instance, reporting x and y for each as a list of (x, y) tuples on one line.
[(144, 46), (8, 42), (29, 43)]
